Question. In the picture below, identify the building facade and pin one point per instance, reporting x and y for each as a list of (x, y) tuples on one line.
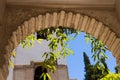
[(27, 72)]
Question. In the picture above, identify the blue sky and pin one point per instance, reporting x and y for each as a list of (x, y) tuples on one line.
[(76, 62)]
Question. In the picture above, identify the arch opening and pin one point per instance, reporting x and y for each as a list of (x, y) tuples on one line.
[(76, 21), (46, 34)]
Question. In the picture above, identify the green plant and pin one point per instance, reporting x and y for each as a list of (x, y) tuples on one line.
[(59, 37)]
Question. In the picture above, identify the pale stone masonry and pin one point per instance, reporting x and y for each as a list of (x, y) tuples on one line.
[(27, 72)]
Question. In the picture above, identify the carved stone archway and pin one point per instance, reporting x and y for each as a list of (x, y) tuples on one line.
[(67, 19)]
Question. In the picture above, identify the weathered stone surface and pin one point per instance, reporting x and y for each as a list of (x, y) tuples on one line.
[(84, 22), (54, 20), (61, 18), (118, 8), (77, 18), (1, 76), (2, 11)]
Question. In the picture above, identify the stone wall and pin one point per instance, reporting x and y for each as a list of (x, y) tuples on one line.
[(27, 72), (2, 10), (2, 22), (23, 72), (118, 8), (3, 64)]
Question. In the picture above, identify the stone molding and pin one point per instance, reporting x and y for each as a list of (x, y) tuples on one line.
[(61, 5)]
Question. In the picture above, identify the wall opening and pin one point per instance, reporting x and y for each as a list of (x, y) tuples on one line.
[(38, 72), (72, 20), (44, 35)]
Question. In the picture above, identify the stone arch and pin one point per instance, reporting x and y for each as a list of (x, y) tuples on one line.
[(69, 19)]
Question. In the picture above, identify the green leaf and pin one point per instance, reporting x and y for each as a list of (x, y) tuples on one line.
[(39, 41), (28, 41), (44, 76), (14, 54), (87, 39), (49, 66), (54, 68), (48, 76), (11, 63)]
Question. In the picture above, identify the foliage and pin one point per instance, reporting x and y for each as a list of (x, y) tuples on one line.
[(92, 74), (11, 63), (86, 60), (45, 76), (88, 67), (116, 69), (98, 50), (29, 41), (59, 37), (111, 76)]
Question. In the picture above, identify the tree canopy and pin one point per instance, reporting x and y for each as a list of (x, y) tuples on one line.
[(92, 74)]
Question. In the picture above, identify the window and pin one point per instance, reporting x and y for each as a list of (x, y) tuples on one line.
[(38, 72)]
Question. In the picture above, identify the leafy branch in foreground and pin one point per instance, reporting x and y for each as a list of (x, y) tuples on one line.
[(11, 62), (89, 69), (59, 37), (111, 76), (29, 41), (99, 56)]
